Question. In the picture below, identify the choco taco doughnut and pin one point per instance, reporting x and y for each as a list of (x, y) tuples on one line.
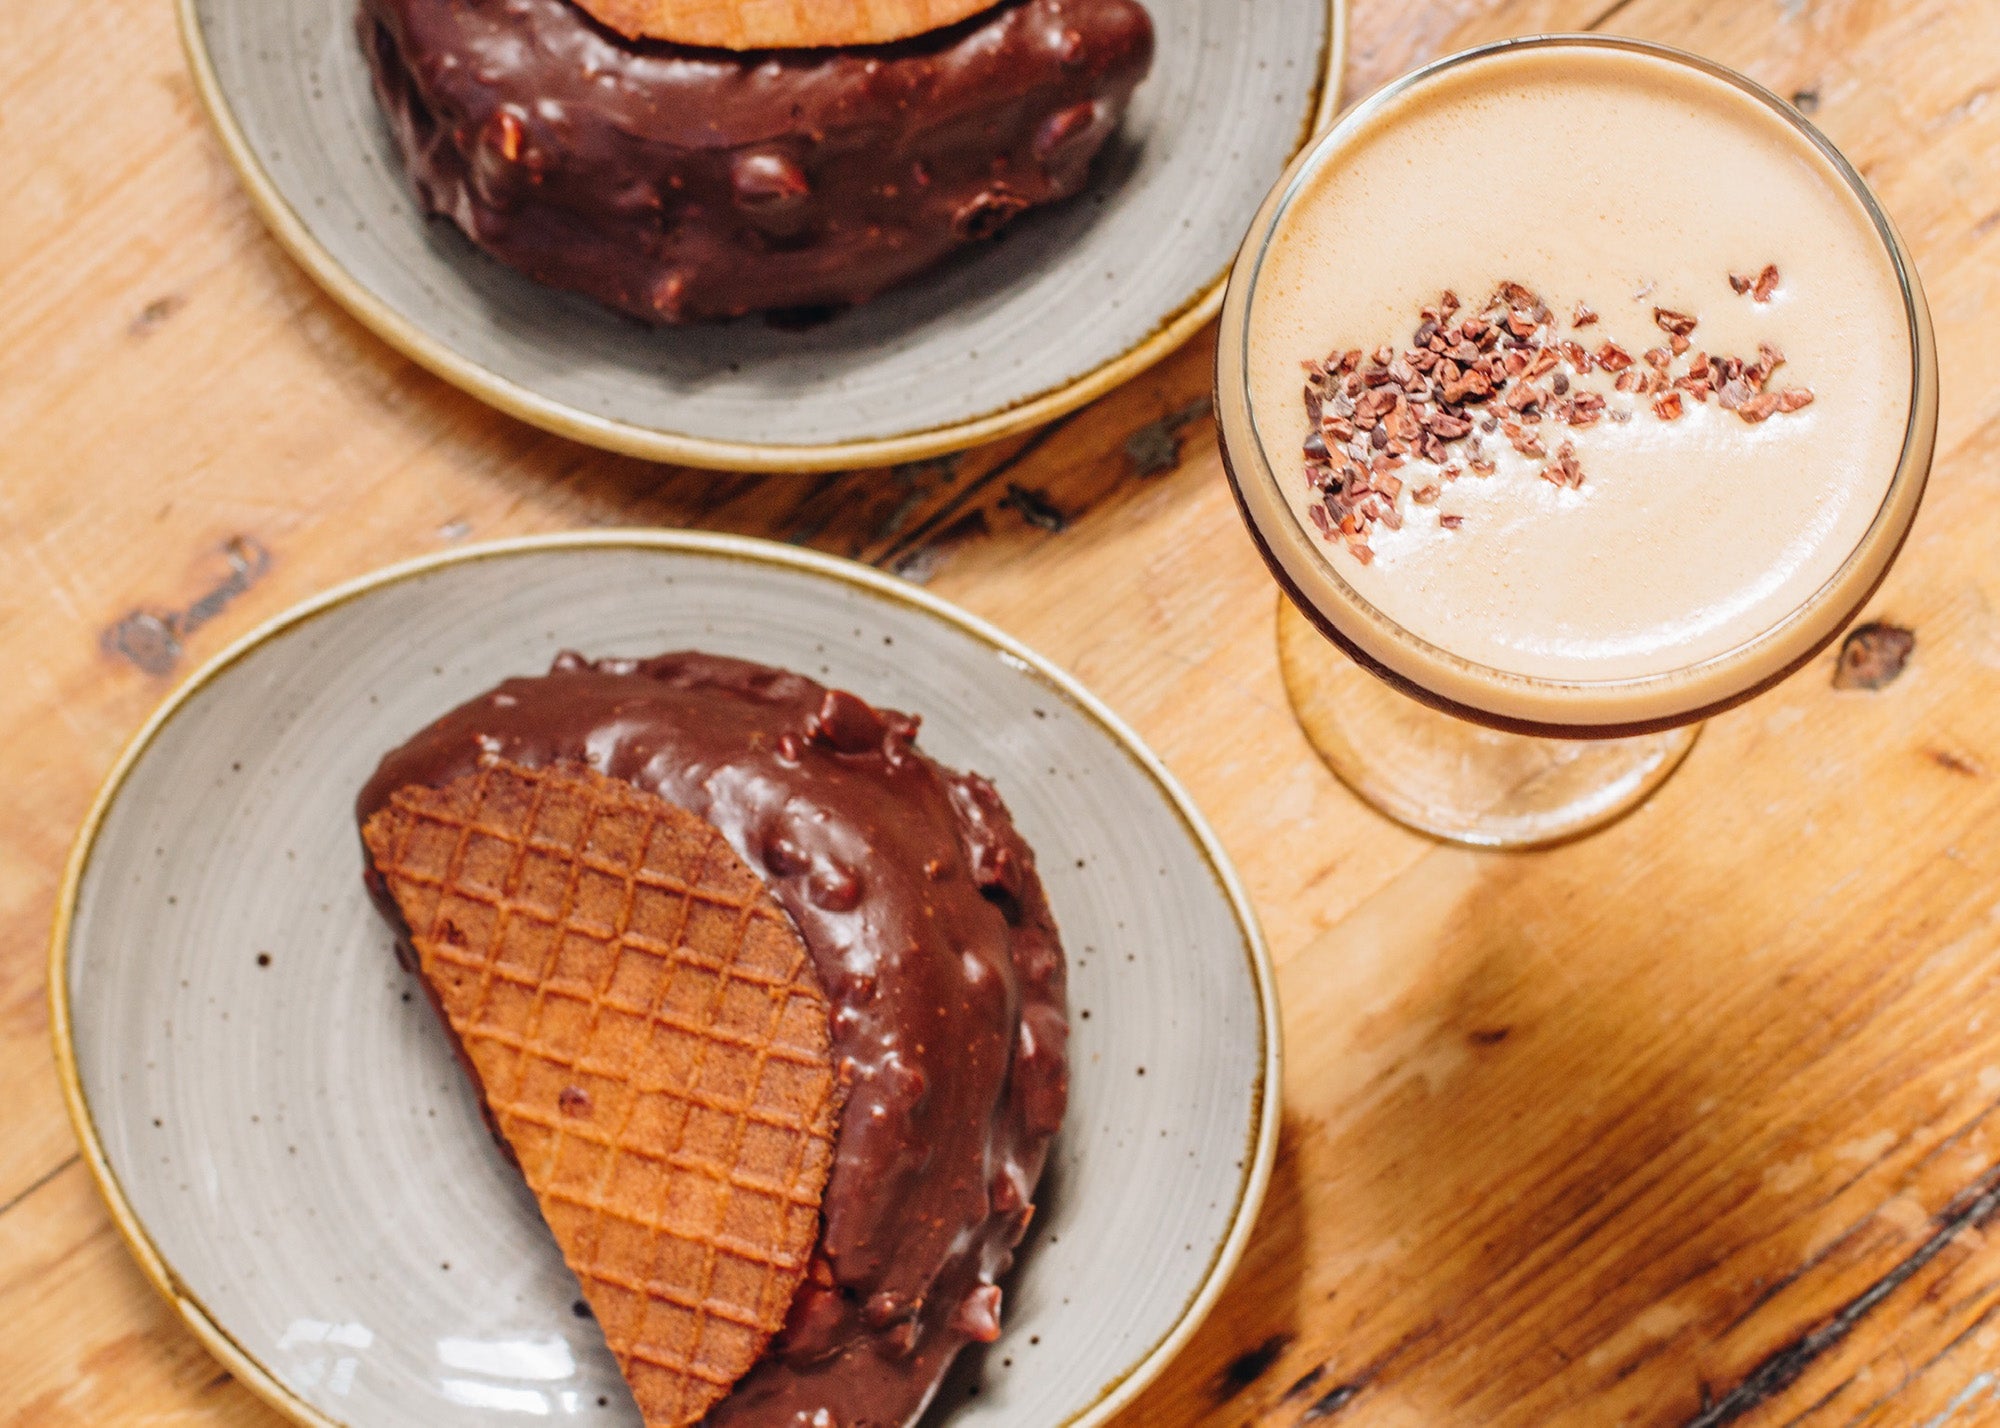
[(688, 159), (681, 913)]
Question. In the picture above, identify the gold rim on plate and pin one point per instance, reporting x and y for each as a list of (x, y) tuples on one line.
[(653, 445), (1265, 1099)]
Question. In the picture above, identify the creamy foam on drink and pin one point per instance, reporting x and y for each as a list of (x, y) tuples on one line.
[(1624, 182)]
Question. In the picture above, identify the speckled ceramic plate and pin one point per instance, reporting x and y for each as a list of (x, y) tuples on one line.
[(297, 1161), (1073, 301)]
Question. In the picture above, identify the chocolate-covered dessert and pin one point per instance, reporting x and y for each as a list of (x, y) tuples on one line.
[(926, 923), (677, 183)]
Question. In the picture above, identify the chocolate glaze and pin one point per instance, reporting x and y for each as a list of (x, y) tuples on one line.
[(675, 183), (926, 920)]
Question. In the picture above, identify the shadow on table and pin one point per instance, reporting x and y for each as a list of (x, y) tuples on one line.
[(1522, 1181)]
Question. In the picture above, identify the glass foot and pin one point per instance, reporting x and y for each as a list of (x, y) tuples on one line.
[(1453, 779)]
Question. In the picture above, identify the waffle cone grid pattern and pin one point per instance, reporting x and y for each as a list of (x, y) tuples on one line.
[(651, 1041), (780, 24)]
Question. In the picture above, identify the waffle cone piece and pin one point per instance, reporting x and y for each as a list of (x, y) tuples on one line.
[(779, 24), (646, 1027)]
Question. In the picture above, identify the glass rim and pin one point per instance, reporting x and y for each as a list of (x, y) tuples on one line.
[(1326, 147)]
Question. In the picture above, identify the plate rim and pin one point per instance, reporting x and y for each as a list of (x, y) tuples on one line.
[(1267, 1097), (715, 453)]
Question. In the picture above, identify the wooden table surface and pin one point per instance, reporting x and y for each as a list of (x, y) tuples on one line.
[(1688, 1123)]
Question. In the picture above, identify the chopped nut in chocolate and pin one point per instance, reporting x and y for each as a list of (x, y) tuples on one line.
[(1503, 371)]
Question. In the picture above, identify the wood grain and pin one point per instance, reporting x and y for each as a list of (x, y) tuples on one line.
[(1690, 1123)]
